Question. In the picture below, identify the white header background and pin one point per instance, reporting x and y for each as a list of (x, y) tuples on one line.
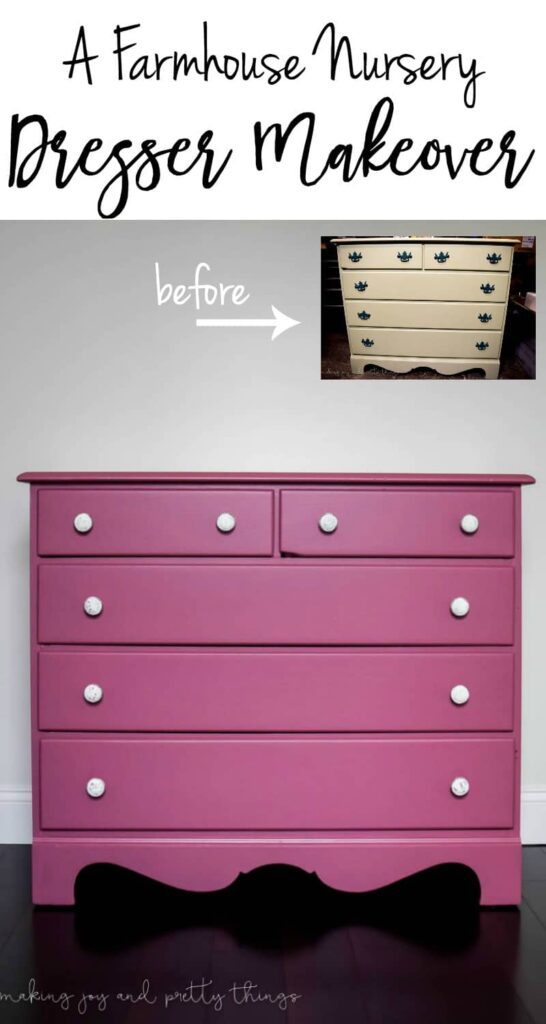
[(36, 38)]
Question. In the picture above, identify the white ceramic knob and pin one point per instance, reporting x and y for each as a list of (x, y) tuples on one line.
[(95, 788), (460, 786), (460, 694), (226, 522), (328, 522), (83, 522), (92, 606), (469, 524), (460, 607), (92, 693)]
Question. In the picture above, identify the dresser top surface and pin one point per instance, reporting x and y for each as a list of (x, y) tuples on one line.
[(466, 240), (478, 479)]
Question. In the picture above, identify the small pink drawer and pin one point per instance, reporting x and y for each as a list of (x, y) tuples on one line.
[(276, 783), (275, 604), (305, 691), (398, 523), (154, 522)]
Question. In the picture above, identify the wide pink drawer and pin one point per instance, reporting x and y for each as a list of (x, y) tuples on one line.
[(305, 691), (154, 522), (275, 604), (276, 782), (395, 522)]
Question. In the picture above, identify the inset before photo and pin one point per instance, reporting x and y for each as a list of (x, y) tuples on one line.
[(426, 306)]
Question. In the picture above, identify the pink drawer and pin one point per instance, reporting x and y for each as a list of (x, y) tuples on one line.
[(395, 522), (305, 691), (154, 522), (275, 604), (276, 783)]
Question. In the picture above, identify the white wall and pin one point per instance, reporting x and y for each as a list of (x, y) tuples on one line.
[(96, 376)]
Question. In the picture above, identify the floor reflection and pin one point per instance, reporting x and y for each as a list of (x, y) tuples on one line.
[(418, 950)]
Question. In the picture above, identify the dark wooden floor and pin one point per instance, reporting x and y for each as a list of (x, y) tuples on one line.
[(420, 951)]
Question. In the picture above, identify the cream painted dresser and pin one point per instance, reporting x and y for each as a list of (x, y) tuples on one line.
[(433, 302)]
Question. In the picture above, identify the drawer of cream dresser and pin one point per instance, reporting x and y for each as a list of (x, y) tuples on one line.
[(396, 341), (416, 284), (467, 315), (276, 604), (275, 691), (259, 782), (460, 256), (398, 523), (388, 255), (154, 522)]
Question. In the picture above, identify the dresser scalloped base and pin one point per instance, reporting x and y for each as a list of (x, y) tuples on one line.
[(204, 865), (447, 367)]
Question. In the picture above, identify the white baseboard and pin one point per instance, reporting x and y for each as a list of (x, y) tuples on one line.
[(16, 825), (15, 814), (533, 816)]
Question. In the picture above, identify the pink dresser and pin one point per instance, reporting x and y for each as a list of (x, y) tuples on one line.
[(237, 670)]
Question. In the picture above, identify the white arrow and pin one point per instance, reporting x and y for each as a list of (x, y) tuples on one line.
[(280, 322)]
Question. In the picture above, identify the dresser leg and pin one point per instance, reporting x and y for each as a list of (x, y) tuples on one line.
[(54, 874), (491, 368)]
